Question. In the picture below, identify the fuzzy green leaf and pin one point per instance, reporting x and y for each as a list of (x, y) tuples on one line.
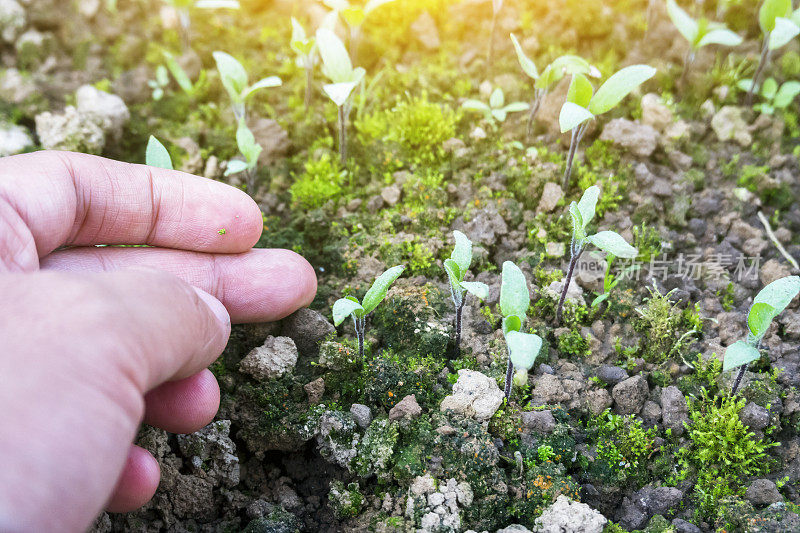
[(721, 36), (580, 90), (686, 25), (181, 78), (578, 227), (475, 105), (271, 81), (528, 66), (339, 92), (569, 65), (476, 288), (232, 74), (235, 166), (587, 204), (618, 86), (377, 292), (336, 61), (572, 115), (462, 253), (515, 107), (512, 323), (759, 318), (739, 353), (343, 308), (770, 10), (523, 348), (613, 243), (514, 296), (247, 144), (784, 31), (786, 94), (780, 293), (156, 155), (497, 99), (453, 274), (499, 114), (769, 89)]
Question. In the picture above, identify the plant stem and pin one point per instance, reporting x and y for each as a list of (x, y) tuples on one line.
[(738, 380), (250, 181), (572, 262), (509, 380), (577, 135), (459, 310), (359, 326), (535, 104), (342, 137), (762, 62)]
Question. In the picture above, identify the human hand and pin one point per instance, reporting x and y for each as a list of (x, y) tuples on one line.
[(95, 340)]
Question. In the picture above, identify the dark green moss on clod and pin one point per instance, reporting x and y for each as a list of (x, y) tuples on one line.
[(345, 501), (410, 321)]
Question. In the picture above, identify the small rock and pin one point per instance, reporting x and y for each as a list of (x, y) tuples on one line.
[(655, 113), (567, 516), (274, 140), (474, 395), (674, 412), (772, 270), (13, 139), (407, 409), (464, 494), (307, 328), (555, 249), (478, 134), (551, 195), (729, 125), (598, 401), (763, 492), (362, 414), (107, 110), (425, 31), (630, 395), (611, 375), (374, 204), (682, 526), (274, 358), (391, 194), (539, 421), (16, 87), (754, 416), (315, 390), (453, 144), (69, 131), (640, 139), (12, 20)]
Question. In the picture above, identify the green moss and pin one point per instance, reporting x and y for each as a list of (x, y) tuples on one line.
[(376, 448), (322, 181), (667, 329), (345, 501), (623, 448), (573, 344)]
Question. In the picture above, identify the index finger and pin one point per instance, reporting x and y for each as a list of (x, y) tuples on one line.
[(66, 198)]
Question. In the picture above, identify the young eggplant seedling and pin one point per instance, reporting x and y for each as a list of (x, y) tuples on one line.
[(774, 97), (156, 155), (496, 110), (699, 33), (551, 75), (456, 267), (767, 304), (250, 150), (306, 49), (779, 25), (336, 66), (350, 306), (582, 213), (583, 104), (523, 348), (235, 80)]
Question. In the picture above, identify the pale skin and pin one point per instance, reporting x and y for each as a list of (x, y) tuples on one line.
[(95, 341)]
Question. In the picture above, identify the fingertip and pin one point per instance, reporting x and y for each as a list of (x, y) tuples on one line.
[(185, 405), (307, 278), (137, 483)]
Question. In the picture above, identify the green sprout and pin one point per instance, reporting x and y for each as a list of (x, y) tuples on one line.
[(184, 7), (354, 17), (350, 306), (779, 25), (235, 80), (160, 83), (156, 155), (306, 49), (767, 304), (456, 267), (699, 33), (250, 150), (582, 213), (550, 76), (338, 68), (774, 97), (497, 108), (523, 348), (610, 281), (178, 73), (583, 104)]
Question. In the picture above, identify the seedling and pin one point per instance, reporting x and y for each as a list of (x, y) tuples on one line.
[(779, 25), (250, 150), (354, 17), (699, 33), (156, 155), (550, 76), (456, 267), (160, 83), (306, 49), (496, 110), (235, 80), (350, 306), (181, 78), (337, 67), (610, 281), (523, 348), (582, 213), (583, 104), (767, 304), (184, 7), (774, 97)]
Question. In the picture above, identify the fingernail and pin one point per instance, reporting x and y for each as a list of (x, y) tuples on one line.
[(216, 307)]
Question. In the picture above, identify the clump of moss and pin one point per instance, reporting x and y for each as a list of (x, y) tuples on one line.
[(416, 126), (540, 483), (322, 181), (623, 447), (722, 452), (573, 344), (667, 329), (409, 322), (345, 501), (376, 448)]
